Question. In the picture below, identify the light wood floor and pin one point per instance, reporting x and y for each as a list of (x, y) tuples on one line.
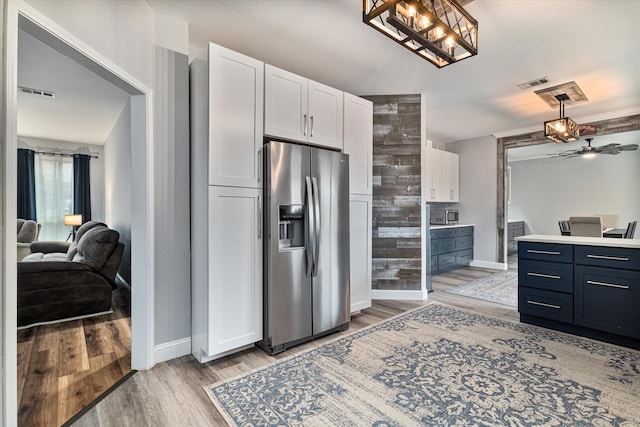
[(171, 394), (63, 367)]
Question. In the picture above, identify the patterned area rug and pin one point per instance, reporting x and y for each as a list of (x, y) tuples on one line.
[(501, 288), (440, 365)]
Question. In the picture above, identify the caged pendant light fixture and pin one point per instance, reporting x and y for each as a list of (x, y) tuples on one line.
[(440, 31), (562, 129)]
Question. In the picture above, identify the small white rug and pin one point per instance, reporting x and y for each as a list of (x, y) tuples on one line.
[(501, 288)]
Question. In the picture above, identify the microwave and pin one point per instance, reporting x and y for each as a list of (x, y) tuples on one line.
[(444, 216)]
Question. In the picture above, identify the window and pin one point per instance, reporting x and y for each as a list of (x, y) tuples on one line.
[(54, 194)]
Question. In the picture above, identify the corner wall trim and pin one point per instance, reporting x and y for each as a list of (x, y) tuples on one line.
[(172, 349), (398, 295), (489, 264)]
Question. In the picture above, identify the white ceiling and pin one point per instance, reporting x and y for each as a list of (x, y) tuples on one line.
[(591, 42), (594, 43), (85, 107)]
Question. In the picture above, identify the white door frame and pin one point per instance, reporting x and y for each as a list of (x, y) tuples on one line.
[(142, 227)]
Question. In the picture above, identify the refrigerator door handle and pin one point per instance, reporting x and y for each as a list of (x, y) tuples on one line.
[(311, 223), (316, 215)]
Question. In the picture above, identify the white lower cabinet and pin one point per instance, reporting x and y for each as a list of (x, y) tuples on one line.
[(231, 315), (360, 250)]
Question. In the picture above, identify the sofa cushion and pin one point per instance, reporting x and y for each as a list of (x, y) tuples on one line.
[(95, 246), (27, 231), (39, 256)]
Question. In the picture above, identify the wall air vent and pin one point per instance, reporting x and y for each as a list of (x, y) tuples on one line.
[(39, 92), (532, 83)]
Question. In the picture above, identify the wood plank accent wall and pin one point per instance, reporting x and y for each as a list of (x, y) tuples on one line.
[(396, 259)]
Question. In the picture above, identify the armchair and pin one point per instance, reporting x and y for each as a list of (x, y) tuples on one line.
[(28, 231), (76, 281)]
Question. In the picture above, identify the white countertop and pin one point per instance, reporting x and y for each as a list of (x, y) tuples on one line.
[(580, 240), (435, 226)]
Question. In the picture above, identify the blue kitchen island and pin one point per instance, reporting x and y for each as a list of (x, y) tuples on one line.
[(587, 286)]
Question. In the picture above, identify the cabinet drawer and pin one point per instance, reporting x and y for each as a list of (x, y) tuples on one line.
[(552, 276), (465, 231), (447, 232), (434, 247), (447, 260), (546, 304), (607, 299), (624, 258), (464, 257), (464, 242), (445, 245), (434, 234), (545, 252)]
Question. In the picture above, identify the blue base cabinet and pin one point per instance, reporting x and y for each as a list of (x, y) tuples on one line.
[(591, 291), (451, 248)]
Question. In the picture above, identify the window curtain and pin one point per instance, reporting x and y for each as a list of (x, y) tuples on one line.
[(54, 195), (26, 184), (82, 186)]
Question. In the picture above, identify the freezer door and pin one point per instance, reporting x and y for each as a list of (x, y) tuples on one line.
[(287, 286), (330, 177)]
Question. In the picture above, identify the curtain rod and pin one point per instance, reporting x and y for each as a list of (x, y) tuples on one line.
[(62, 153)]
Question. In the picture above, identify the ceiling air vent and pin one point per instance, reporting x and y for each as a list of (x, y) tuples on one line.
[(39, 92), (532, 83)]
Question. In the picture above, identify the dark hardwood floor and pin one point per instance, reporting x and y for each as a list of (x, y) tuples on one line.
[(64, 366), (172, 394)]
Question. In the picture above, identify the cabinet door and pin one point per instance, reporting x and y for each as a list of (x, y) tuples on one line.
[(453, 166), (285, 104), (434, 175), (236, 100), (325, 118), (235, 268), (360, 250), (358, 142)]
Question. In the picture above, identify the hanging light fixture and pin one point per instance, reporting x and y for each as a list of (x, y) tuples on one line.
[(440, 31), (562, 129)]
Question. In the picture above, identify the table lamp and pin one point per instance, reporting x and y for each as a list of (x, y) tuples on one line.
[(73, 220)]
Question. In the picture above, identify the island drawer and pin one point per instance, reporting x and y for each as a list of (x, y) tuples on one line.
[(545, 252), (607, 299), (546, 304), (599, 256), (552, 276)]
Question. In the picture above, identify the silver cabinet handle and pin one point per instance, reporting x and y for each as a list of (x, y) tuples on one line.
[(611, 258), (546, 276), (305, 125), (609, 285), (259, 217), (543, 304), (311, 132), (259, 166), (535, 251)]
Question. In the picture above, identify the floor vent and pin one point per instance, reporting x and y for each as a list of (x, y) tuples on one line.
[(39, 92), (533, 83)]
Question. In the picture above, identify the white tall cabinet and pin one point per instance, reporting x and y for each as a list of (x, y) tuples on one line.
[(358, 143), (227, 101), (301, 109), (442, 178)]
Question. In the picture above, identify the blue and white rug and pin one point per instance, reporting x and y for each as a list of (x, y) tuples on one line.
[(501, 288), (440, 365)]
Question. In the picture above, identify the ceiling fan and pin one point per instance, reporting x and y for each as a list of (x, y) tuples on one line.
[(589, 151)]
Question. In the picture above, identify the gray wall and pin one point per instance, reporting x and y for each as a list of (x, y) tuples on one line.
[(396, 240), (478, 192), (172, 214), (544, 191), (117, 156)]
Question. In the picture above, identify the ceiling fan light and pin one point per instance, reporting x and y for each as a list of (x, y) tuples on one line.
[(590, 155)]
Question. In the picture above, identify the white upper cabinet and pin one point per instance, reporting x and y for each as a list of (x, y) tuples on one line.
[(302, 110), (358, 142), (442, 176), (236, 102)]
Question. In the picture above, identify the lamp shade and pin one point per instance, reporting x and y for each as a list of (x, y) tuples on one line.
[(73, 219)]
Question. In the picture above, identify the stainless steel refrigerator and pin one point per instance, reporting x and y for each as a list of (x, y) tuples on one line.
[(306, 244)]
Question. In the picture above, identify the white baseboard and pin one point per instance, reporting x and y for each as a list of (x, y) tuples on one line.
[(171, 350), (489, 264), (399, 295)]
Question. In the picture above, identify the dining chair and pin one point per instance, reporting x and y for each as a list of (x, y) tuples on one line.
[(587, 226), (565, 227), (631, 230)]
